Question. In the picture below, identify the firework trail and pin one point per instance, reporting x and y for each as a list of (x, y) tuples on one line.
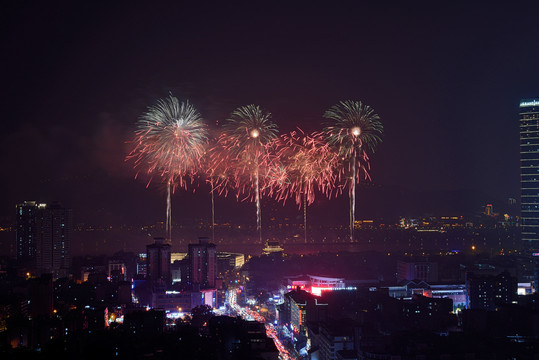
[(355, 130), (169, 142), (246, 136), (305, 163), (219, 175), (211, 178)]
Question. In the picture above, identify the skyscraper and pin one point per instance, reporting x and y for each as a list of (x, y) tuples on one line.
[(202, 263), (54, 242), (44, 237), (158, 263), (27, 231), (529, 168)]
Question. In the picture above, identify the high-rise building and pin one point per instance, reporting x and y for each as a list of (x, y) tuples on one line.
[(202, 264), (529, 168), (44, 237), (53, 253), (158, 263), (27, 231), (142, 264)]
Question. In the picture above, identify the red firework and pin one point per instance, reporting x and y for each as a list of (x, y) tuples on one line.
[(304, 163)]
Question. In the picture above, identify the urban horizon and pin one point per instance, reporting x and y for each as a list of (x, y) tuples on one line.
[(270, 181)]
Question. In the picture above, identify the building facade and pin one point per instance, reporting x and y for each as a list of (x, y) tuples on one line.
[(43, 237), (489, 292), (54, 244), (424, 271), (299, 307), (333, 338), (158, 263), (529, 168), (202, 264), (28, 213)]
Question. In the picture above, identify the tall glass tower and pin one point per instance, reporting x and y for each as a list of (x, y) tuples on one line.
[(529, 168)]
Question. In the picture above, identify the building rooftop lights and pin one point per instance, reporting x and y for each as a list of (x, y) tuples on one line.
[(526, 103)]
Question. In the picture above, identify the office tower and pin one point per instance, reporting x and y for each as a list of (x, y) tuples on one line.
[(158, 263), (44, 237), (53, 251), (529, 168), (27, 231), (202, 264)]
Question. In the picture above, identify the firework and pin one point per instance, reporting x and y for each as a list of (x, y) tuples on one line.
[(169, 143), (219, 175), (244, 142), (220, 170), (305, 163), (355, 130)]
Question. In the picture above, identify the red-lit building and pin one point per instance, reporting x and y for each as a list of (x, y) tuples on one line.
[(314, 284)]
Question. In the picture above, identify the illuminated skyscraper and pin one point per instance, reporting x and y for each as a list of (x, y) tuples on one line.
[(44, 237), (27, 231), (529, 168)]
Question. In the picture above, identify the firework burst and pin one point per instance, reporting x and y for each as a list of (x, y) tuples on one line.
[(243, 144), (309, 163), (305, 163), (355, 130), (169, 143)]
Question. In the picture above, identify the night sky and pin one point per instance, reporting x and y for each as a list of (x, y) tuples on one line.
[(446, 80)]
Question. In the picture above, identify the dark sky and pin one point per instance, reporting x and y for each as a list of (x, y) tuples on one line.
[(446, 79)]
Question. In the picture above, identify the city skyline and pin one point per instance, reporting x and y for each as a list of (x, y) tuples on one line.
[(266, 180), (450, 123)]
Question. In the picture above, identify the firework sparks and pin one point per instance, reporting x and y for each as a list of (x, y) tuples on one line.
[(356, 130), (246, 135), (170, 142), (305, 163), (309, 162), (219, 175)]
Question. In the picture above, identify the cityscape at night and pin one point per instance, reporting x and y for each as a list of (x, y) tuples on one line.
[(261, 180)]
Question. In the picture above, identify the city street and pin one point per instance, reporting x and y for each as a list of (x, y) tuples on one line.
[(251, 315)]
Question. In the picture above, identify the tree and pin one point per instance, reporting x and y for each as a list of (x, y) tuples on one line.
[(200, 315)]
